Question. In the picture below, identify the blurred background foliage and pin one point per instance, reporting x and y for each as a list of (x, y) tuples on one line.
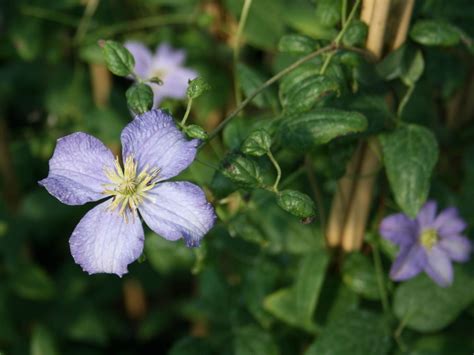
[(262, 282)]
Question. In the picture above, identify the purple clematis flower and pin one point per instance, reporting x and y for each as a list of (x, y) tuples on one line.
[(110, 236), (167, 65), (428, 243)]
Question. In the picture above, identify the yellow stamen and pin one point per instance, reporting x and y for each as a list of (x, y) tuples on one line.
[(429, 238), (128, 188)]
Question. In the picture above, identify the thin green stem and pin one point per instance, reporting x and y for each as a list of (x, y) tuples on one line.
[(343, 12), (327, 60), (91, 7), (277, 168), (186, 114), (347, 23), (339, 36), (265, 85), (380, 278), (318, 196), (404, 101), (238, 36)]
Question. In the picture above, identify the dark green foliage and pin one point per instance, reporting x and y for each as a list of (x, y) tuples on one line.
[(263, 281)]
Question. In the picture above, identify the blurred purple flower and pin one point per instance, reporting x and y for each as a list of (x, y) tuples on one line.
[(428, 243), (167, 65), (110, 236)]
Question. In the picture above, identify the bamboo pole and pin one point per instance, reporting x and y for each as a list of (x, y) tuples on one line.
[(341, 199), (359, 207), (404, 23)]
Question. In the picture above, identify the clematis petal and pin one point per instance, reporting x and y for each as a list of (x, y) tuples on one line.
[(105, 242), (399, 229), (154, 141), (438, 266), (457, 247), (177, 210), (427, 214), (449, 222), (143, 58), (166, 56), (408, 263), (76, 170), (176, 82)]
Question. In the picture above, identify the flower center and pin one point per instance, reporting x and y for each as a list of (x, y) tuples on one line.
[(128, 187), (159, 73), (429, 238)]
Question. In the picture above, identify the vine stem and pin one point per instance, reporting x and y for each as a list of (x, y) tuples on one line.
[(404, 101), (339, 36), (188, 110), (266, 84), (91, 7), (379, 272), (238, 36), (277, 168)]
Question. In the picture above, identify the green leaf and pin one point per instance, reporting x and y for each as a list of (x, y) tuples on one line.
[(251, 340), (410, 154), (139, 98), (296, 44), (42, 342), (426, 307), (435, 33), (356, 333), (118, 59), (413, 71), (296, 305), (297, 203), (359, 275), (309, 92), (356, 34), (195, 131), (250, 80), (33, 283), (197, 87), (242, 171), (328, 12), (320, 126), (258, 143)]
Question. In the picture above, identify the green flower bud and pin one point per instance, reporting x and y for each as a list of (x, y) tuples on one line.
[(139, 98), (298, 204), (197, 87), (195, 131)]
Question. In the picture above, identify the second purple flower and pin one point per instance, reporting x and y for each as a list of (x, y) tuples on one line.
[(167, 65)]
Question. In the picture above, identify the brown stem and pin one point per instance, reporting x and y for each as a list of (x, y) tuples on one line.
[(101, 82), (134, 299), (11, 190)]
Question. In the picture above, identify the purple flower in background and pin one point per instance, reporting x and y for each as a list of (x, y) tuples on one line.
[(428, 243), (110, 236), (167, 65)]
